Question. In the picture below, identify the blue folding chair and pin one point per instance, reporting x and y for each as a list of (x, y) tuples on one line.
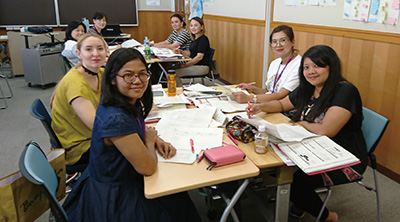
[(35, 167), (38, 110), (373, 127)]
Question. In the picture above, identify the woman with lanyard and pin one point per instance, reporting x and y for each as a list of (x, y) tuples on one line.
[(99, 23), (282, 75)]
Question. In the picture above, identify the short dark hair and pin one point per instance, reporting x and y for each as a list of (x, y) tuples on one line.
[(322, 56), (71, 26), (180, 19), (283, 28), (99, 15), (110, 93)]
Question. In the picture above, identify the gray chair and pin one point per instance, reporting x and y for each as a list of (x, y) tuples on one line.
[(204, 75), (35, 168), (373, 127), (3, 60)]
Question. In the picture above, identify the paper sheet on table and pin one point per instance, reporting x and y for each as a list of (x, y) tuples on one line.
[(200, 118), (162, 110), (226, 105), (200, 90), (130, 43), (170, 100), (282, 155), (203, 138), (233, 89), (284, 132)]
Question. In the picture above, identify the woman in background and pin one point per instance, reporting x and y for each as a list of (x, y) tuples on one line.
[(99, 23), (199, 52), (326, 104), (180, 37), (123, 150), (75, 100), (282, 75), (73, 32)]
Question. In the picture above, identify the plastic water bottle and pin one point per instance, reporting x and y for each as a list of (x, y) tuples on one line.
[(147, 52), (171, 82), (261, 140)]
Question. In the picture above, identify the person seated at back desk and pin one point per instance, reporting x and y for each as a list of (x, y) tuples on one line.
[(76, 97), (73, 32), (99, 23), (180, 37), (326, 104), (199, 52)]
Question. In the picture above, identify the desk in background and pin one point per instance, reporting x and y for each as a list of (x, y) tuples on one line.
[(117, 39)]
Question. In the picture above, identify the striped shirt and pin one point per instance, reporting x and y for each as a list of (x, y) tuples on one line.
[(183, 39)]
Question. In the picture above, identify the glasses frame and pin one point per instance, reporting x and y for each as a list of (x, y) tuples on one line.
[(282, 41), (134, 78)]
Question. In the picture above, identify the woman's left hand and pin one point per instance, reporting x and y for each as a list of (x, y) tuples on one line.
[(165, 149)]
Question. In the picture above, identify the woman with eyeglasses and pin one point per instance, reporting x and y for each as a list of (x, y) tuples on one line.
[(123, 150), (282, 75)]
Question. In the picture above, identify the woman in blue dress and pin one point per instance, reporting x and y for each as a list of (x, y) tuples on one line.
[(123, 149)]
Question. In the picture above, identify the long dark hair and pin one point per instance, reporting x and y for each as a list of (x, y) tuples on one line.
[(322, 56), (71, 26), (110, 93), (180, 19)]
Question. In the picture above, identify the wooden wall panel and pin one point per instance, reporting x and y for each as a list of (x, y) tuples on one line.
[(154, 24), (239, 49)]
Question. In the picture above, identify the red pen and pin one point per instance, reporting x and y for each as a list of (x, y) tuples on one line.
[(192, 145), (233, 140), (247, 84), (249, 107), (152, 121), (200, 158)]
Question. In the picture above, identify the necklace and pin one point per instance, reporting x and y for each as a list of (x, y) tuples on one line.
[(89, 71), (308, 109), (277, 77)]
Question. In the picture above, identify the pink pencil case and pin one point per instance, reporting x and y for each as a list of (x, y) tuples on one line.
[(223, 155)]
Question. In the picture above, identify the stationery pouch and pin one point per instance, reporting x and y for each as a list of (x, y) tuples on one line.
[(223, 155), (241, 130)]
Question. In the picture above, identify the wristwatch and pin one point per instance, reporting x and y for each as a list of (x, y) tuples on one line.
[(255, 98)]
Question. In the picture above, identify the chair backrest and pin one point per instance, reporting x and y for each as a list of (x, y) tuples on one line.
[(67, 63), (211, 56), (373, 127), (35, 167), (38, 110)]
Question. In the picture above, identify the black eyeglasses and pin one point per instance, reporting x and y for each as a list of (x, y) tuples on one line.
[(130, 78)]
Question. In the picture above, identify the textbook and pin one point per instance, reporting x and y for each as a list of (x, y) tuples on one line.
[(310, 152), (318, 154)]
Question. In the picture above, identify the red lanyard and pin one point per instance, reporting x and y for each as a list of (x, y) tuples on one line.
[(277, 77)]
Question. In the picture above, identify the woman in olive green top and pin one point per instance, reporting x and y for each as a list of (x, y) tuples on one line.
[(76, 98)]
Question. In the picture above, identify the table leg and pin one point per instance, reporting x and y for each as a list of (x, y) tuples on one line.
[(163, 72), (234, 199), (284, 179)]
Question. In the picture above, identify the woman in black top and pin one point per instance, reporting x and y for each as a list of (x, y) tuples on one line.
[(326, 104), (199, 52)]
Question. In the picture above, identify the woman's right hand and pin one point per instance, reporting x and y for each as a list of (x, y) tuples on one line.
[(253, 109)]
